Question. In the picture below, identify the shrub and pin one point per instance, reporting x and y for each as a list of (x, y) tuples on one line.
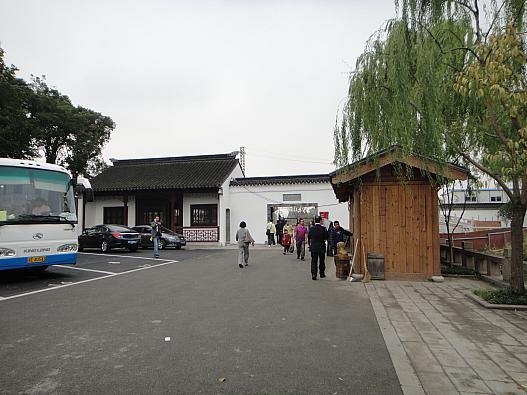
[(459, 270), (502, 296)]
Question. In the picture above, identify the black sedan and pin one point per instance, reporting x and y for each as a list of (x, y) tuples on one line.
[(168, 238), (106, 237)]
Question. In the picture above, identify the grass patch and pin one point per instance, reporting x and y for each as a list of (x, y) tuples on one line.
[(502, 296), (459, 270)]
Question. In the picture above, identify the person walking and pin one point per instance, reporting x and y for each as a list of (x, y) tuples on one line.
[(244, 239), (330, 241), (286, 241), (289, 228), (336, 235), (317, 237), (156, 234), (280, 229), (270, 232), (301, 239)]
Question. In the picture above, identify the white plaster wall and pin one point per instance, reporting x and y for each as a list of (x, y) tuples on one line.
[(224, 203), (197, 198), (249, 204), (95, 209)]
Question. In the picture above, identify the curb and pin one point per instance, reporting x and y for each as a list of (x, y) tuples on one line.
[(494, 281), (488, 305)]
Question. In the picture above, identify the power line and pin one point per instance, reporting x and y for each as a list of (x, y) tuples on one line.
[(288, 159)]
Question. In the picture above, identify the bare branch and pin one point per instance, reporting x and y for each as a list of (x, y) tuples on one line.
[(485, 170), (462, 212), (462, 3), (497, 129), (468, 50), (494, 21)]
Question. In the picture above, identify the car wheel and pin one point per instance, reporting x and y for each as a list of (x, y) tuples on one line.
[(80, 249), (105, 247), (133, 249), (162, 244), (178, 247)]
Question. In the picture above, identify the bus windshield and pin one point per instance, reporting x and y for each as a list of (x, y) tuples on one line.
[(35, 196)]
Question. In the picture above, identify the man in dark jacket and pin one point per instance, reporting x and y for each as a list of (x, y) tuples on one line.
[(336, 235), (317, 237), (156, 234)]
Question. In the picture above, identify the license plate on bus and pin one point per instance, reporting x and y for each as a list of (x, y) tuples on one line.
[(36, 259)]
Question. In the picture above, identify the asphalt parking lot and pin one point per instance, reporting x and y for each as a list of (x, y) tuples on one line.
[(191, 322), (91, 265)]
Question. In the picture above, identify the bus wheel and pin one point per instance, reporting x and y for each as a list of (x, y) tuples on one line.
[(105, 247)]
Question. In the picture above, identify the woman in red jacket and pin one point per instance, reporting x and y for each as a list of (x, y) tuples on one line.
[(286, 241)]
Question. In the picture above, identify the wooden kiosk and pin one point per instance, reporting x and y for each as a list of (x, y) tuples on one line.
[(396, 217)]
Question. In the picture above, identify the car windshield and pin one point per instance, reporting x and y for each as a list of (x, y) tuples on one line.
[(35, 195), (117, 228)]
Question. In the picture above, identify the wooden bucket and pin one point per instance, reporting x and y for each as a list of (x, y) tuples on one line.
[(342, 267), (376, 266)]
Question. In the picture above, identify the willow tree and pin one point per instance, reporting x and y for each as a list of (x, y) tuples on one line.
[(446, 80)]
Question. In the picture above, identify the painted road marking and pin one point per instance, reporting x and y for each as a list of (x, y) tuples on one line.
[(84, 281), (123, 256), (83, 269)]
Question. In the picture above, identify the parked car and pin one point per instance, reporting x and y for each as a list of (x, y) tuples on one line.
[(106, 237), (168, 237)]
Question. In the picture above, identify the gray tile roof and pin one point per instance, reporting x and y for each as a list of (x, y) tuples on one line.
[(274, 180), (185, 172)]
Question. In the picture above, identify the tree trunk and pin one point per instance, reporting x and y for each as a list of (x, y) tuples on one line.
[(518, 215), (451, 248)]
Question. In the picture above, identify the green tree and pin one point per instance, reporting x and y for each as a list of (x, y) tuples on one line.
[(84, 146), (436, 83), (36, 119), (53, 120), (16, 139)]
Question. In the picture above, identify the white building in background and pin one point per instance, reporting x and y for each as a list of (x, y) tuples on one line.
[(255, 200), (205, 197), (478, 208)]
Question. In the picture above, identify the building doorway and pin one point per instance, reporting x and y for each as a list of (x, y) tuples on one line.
[(228, 226), (292, 212), (147, 209)]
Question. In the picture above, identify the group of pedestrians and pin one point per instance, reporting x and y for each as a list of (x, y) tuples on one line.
[(294, 238), (297, 237)]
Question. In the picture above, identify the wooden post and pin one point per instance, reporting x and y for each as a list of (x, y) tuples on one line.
[(507, 265), (125, 209), (470, 262), (463, 255)]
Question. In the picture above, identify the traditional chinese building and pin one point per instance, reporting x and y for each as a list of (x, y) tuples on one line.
[(205, 197)]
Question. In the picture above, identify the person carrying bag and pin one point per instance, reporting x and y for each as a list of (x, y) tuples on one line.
[(244, 239)]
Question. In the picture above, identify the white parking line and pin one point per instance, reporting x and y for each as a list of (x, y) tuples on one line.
[(84, 281), (83, 269), (124, 256)]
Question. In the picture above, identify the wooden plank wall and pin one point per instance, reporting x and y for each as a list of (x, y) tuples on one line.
[(402, 223)]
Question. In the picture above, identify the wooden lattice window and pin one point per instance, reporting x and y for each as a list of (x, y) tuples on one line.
[(204, 215)]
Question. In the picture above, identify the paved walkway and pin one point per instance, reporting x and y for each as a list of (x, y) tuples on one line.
[(442, 343)]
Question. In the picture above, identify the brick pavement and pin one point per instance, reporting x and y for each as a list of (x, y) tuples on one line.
[(440, 342)]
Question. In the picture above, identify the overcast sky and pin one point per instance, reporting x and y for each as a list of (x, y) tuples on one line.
[(199, 77)]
